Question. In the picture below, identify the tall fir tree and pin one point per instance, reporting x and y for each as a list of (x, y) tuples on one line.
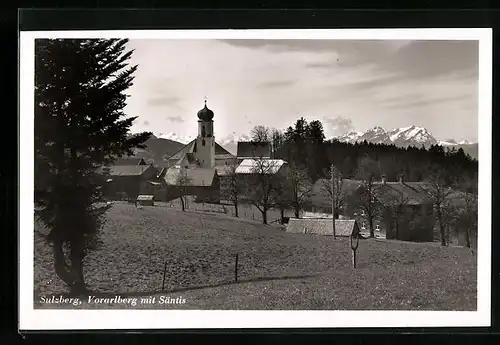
[(80, 128)]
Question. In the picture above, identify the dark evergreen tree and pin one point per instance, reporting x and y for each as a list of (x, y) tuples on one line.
[(80, 127)]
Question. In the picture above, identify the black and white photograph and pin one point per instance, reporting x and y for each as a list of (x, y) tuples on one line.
[(220, 177)]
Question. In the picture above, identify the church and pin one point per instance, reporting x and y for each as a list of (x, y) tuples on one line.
[(194, 169), (197, 168)]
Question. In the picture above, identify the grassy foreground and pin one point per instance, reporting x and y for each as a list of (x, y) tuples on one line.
[(276, 270)]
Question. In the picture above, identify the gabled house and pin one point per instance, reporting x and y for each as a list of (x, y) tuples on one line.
[(252, 150), (128, 181), (203, 183), (406, 210)]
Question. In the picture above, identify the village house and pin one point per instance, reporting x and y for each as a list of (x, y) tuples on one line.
[(253, 150), (202, 183), (406, 211), (128, 181)]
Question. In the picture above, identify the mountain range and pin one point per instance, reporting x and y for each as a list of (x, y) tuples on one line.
[(407, 136), (168, 144)]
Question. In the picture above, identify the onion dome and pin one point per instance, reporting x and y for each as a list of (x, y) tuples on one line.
[(205, 114)]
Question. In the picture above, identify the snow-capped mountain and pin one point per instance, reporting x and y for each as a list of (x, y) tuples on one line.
[(453, 142), (184, 139), (405, 136), (230, 142)]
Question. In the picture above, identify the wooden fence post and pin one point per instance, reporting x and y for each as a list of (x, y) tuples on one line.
[(354, 247), (164, 276), (236, 269)]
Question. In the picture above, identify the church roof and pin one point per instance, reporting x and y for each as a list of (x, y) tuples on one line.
[(188, 148), (128, 170), (220, 152), (198, 177)]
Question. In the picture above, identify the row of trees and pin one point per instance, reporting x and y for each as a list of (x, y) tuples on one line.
[(450, 181), (304, 144), (266, 186)]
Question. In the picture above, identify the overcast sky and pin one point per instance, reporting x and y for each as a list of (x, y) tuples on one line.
[(348, 85)]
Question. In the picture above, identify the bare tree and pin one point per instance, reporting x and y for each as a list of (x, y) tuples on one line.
[(263, 185), (283, 199), (438, 192), (183, 181), (234, 188), (365, 199), (335, 191), (277, 140), (260, 134), (469, 212), (300, 188), (396, 205)]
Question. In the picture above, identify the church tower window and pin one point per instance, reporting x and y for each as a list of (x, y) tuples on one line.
[(203, 142)]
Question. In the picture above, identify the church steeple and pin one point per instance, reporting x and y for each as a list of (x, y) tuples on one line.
[(205, 122), (205, 142)]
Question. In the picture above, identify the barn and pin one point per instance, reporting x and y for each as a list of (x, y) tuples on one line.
[(203, 183), (126, 181)]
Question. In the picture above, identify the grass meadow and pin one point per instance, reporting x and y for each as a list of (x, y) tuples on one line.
[(276, 270)]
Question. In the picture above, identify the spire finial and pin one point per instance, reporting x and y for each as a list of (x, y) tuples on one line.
[(205, 101)]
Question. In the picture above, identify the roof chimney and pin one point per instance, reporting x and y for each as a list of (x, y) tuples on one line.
[(383, 178), (401, 178)]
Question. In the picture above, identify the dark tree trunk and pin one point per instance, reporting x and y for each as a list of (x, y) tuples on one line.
[(60, 262), (282, 214), (236, 209), (76, 258), (297, 211), (370, 224), (264, 216), (182, 204), (467, 237), (442, 230)]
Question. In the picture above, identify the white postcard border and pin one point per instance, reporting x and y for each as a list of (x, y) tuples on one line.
[(42, 319)]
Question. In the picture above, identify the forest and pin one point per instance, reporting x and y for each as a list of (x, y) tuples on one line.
[(304, 145)]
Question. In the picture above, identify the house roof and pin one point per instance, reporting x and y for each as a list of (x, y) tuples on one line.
[(249, 166), (343, 227), (250, 149), (129, 161), (414, 193), (199, 177), (128, 170), (190, 148)]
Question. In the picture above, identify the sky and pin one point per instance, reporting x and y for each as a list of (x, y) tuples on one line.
[(347, 85)]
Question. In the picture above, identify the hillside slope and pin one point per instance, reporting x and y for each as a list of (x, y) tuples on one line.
[(156, 149), (275, 270)]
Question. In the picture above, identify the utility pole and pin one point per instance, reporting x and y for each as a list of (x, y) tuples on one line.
[(333, 200)]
